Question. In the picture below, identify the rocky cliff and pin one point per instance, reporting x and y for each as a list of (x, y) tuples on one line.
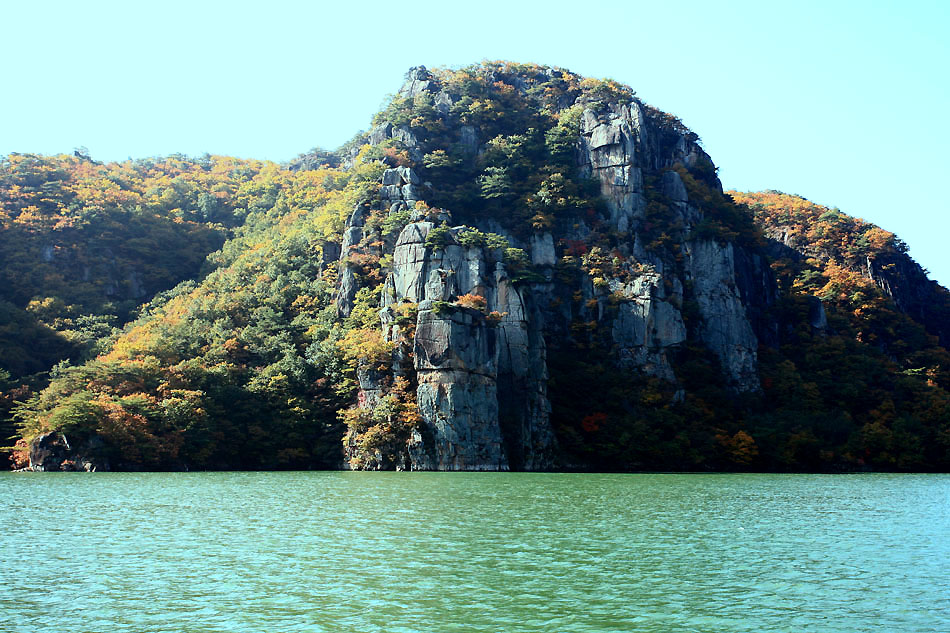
[(480, 370)]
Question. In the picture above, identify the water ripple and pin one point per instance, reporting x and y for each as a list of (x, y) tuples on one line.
[(408, 552)]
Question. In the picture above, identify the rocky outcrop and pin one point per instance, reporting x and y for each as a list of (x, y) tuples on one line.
[(610, 150), (352, 237), (53, 452), (524, 410), (647, 325), (617, 145), (418, 81), (725, 328), (456, 364), (482, 380), (401, 184), (481, 374), (595, 289)]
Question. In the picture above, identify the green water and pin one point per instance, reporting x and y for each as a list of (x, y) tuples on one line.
[(397, 552)]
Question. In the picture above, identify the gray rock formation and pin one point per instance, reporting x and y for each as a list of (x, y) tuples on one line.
[(481, 374), (481, 380), (418, 81), (725, 327), (456, 366), (647, 325), (609, 146), (352, 236), (401, 184), (53, 452), (542, 250)]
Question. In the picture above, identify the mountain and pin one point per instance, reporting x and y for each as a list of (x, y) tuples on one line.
[(516, 268)]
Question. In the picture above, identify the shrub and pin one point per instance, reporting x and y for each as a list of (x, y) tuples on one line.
[(475, 302), (395, 222), (439, 237), (406, 313), (494, 317), (365, 348), (474, 238), (516, 257)]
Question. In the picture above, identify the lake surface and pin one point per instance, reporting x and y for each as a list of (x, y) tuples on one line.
[(363, 552)]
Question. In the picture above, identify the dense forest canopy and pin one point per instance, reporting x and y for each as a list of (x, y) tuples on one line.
[(189, 313)]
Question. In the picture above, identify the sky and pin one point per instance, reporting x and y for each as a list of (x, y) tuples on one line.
[(841, 102)]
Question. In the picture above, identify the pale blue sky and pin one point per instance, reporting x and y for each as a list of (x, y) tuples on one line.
[(841, 102)]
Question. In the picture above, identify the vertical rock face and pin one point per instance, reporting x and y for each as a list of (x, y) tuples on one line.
[(616, 147), (522, 380), (608, 150), (352, 236), (481, 382), (481, 374), (647, 325), (725, 327), (457, 367)]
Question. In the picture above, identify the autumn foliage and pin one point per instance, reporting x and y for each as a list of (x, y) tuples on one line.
[(178, 312)]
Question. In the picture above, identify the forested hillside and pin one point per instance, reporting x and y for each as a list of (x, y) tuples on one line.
[(872, 358), (83, 244), (515, 268)]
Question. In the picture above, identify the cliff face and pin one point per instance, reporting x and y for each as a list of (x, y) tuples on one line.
[(482, 381), (480, 372)]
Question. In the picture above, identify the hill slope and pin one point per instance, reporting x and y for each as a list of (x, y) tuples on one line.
[(520, 268)]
